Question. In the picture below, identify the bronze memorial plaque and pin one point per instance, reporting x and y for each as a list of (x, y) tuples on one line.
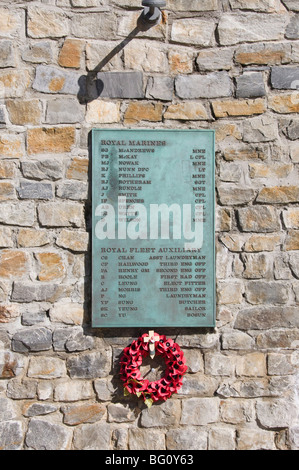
[(153, 243)]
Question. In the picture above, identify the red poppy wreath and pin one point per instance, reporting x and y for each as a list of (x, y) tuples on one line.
[(161, 389)]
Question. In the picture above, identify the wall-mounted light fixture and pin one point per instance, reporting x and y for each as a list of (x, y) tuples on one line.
[(152, 14)]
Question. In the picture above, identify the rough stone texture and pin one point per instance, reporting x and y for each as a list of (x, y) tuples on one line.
[(22, 112), (64, 111), (213, 85), (50, 140), (46, 22), (92, 437), (13, 83), (227, 65), (283, 104), (269, 6), (146, 439), (200, 411), (166, 414), (194, 5), (68, 313), (71, 340), (95, 26), (136, 112), (259, 219), (31, 237), (12, 263), (39, 52), (71, 391), (292, 31), (291, 5), (86, 413), (186, 439), (160, 88), (21, 214), (188, 111), (11, 146), (238, 108), (251, 27), (103, 112), (67, 214), (7, 54), (265, 317), (263, 54), (273, 414), (250, 85), (46, 368), (37, 339), (285, 78), (30, 190), (279, 195), (120, 84), (255, 439), (193, 31), (215, 59), (11, 435), (260, 129), (56, 80), (90, 365), (44, 435), (42, 170), (70, 54)]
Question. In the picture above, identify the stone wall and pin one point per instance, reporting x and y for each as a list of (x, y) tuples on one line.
[(228, 65)]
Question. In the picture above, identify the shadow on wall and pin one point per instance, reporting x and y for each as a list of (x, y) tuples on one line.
[(90, 88)]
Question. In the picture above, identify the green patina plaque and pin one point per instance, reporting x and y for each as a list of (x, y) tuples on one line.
[(153, 217)]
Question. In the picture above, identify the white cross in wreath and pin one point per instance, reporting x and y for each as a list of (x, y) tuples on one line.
[(151, 339)]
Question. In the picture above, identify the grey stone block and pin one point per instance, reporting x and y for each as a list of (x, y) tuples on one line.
[(291, 4), (54, 80), (90, 365), (45, 169), (38, 53), (263, 318), (291, 129), (64, 111), (285, 78), (7, 55), (292, 30), (40, 409), (74, 190), (160, 88), (32, 339), (260, 129), (250, 85), (212, 85), (71, 340), (28, 292), (7, 409), (25, 390), (97, 25), (92, 436), (28, 190), (120, 84), (11, 435), (31, 317), (44, 435)]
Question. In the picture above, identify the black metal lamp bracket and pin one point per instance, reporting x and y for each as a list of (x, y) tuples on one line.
[(152, 14)]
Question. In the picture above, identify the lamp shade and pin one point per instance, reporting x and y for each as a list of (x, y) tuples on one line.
[(154, 3)]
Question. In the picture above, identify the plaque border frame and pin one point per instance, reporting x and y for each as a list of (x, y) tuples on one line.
[(211, 324)]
